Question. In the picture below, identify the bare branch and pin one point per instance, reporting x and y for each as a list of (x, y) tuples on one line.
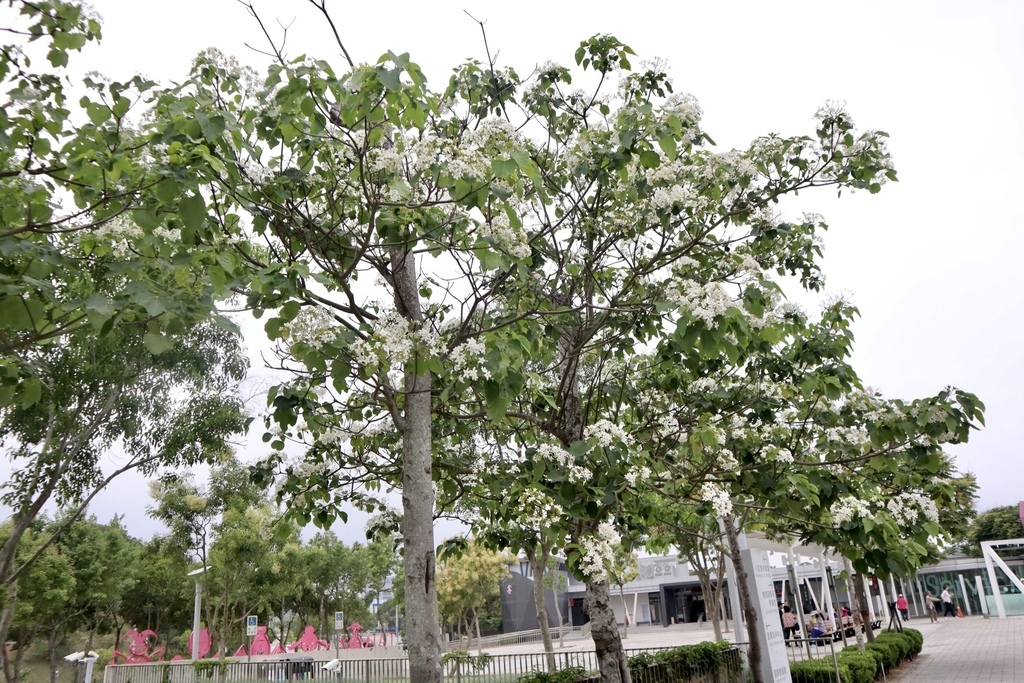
[(322, 6)]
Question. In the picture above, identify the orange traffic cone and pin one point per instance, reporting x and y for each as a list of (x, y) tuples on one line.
[(959, 612)]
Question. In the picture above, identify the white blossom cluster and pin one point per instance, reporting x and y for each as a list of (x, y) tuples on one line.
[(855, 436), (246, 77), (719, 498), (907, 508), (783, 455), (638, 475), (468, 360), (395, 339), (508, 238), (120, 234), (849, 508), (598, 550), (705, 302), (305, 468), (255, 171), (313, 326), (674, 195), (576, 473), (687, 108), (538, 511), (605, 433), (732, 166)]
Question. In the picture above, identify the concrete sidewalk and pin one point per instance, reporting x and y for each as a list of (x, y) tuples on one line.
[(972, 649)]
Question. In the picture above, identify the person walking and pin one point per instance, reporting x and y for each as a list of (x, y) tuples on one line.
[(947, 603), (901, 605), (933, 609)]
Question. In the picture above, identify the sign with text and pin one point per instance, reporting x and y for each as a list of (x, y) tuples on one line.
[(250, 625), (339, 621), (774, 664)]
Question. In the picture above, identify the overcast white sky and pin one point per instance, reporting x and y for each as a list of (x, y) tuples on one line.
[(931, 261)]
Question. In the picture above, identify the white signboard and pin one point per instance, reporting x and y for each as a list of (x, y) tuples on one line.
[(339, 621), (250, 625), (774, 664)]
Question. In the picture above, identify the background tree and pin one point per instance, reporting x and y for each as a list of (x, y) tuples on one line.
[(467, 582), (227, 532), (623, 568), (161, 595), (699, 542), (41, 600), (995, 524)]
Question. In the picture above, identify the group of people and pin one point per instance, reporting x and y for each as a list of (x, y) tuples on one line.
[(817, 624), (819, 628), (946, 599)]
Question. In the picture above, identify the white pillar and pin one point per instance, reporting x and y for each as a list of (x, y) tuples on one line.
[(918, 597), (734, 597), (981, 595), (829, 607), (963, 590), (885, 604), (195, 620), (991, 570), (868, 597)]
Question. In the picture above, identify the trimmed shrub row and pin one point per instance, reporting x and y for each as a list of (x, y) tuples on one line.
[(890, 649), (678, 665)]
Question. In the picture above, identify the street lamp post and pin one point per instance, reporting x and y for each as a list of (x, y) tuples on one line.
[(195, 614)]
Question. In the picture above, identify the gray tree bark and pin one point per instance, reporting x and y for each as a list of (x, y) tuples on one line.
[(611, 658), (422, 632), (749, 614), (865, 614), (539, 564)]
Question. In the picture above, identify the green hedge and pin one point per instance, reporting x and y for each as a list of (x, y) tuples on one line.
[(917, 637), (875, 656), (570, 675), (863, 666), (820, 671), (678, 664), (905, 644), (890, 655), (687, 660)]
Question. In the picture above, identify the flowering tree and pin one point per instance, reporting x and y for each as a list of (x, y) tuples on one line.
[(510, 286)]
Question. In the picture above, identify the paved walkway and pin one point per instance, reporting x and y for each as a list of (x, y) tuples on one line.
[(972, 649)]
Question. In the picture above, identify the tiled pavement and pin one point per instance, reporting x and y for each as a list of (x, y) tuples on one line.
[(967, 650)]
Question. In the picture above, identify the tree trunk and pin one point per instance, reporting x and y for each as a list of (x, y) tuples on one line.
[(719, 607), (558, 611), (749, 614), (538, 602), (479, 637), (611, 658), (421, 626), (322, 624), (865, 615), (625, 613), (6, 619), (51, 652)]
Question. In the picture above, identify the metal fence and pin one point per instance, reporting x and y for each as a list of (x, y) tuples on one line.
[(468, 669)]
